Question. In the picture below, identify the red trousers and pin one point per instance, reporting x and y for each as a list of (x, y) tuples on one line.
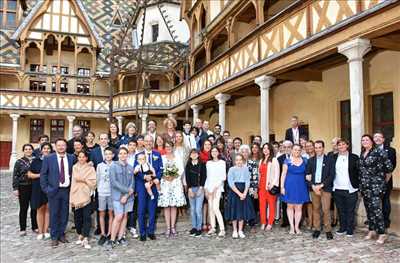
[(264, 198)]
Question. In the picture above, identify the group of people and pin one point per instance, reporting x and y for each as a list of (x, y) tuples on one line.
[(127, 178)]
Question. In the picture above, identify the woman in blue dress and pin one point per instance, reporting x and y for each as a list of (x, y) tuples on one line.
[(294, 188)]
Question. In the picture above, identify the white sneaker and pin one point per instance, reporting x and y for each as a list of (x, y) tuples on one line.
[(221, 233), (241, 234), (85, 244), (235, 235), (46, 236), (133, 232), (39, 237), (79, 242)]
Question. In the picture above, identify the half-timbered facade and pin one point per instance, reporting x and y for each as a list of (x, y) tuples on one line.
[(253, 64)]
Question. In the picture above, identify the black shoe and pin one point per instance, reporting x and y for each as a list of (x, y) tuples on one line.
[(102, 240), (193, 231), (122, 242), (152, 237), (340, 232), (110, 244), (284, 224), (97, 232), (198, 233), (316, 234), (63, 239), (329, 235), (143, 238)]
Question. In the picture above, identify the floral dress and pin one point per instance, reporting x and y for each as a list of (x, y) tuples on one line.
[(373, 169), (253, 169), (172, 191)]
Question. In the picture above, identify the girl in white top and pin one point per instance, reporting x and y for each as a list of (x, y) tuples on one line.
[(214, 186)]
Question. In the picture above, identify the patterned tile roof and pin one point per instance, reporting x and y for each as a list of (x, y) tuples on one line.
[(99, 15)]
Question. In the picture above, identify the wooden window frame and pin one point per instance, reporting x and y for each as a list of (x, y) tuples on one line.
[(5, 11), (34, 136), (54, 135), (380, 126), (85, 125), (83, 88), (343, 125)]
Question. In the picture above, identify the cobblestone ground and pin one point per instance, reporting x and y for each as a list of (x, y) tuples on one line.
[(275, 246)]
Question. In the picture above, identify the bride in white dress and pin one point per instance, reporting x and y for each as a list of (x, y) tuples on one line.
[(172, 195)]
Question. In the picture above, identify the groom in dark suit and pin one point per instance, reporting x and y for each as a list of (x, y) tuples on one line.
[(55, 181), (294, 133)]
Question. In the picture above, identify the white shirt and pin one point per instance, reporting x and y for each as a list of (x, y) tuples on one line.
[(296, 138), (216, 175), (190, 141), (342, 178), (66, 170), (131, 159)]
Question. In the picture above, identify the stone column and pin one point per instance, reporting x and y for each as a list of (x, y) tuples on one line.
[(14, 155), (354, 50), (70, 125), (222, 99), (264, 82), (120, 119), (196, 109), (144, 116)]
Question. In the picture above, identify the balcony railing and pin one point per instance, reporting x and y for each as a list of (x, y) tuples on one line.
[(55, 102)]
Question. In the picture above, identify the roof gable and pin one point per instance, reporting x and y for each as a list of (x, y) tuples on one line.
[(63, 16)]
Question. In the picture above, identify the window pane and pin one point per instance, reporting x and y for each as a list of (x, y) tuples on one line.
[(10, 19), (1, 3), (382, 111), (345, 120), (11, 4)]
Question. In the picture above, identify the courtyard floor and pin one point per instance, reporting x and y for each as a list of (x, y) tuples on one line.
[(275, 246)]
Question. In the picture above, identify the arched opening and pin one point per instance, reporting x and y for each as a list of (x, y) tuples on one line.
[(50, 59), (244, 22), (50, 45), (273, 7), (32, 57), (195, 32), (203, 18), (83, 64), (219, 44), (67, 44), (200, 60)]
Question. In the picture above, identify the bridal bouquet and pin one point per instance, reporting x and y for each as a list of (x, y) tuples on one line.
[(171, 171)]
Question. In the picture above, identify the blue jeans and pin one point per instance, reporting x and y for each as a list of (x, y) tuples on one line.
[(196, 207)]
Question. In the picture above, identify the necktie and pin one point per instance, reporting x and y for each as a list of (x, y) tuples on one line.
[(149, 158), (62, 171)]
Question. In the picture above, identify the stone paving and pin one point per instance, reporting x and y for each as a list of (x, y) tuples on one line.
[(275, 246)]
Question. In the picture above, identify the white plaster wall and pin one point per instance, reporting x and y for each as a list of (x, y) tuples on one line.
[(153, 16)]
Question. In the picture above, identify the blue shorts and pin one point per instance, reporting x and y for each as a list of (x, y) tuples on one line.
[(105, 202), (120, 209)]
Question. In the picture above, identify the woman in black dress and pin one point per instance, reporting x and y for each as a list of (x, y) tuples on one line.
[(38, 197), (90, 144), (114, 136), (22, 188)]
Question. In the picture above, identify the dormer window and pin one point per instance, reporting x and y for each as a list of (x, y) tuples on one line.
[(154, 33), (8, 13)]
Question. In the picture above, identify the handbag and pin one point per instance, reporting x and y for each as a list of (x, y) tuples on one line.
[(274, 190)]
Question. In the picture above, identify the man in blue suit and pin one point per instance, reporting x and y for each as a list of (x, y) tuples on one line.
[(145, 203), (97, 154), (55, 181)]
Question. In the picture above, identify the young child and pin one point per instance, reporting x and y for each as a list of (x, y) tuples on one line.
[(145, 168), (239, 207), (104, 194)]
